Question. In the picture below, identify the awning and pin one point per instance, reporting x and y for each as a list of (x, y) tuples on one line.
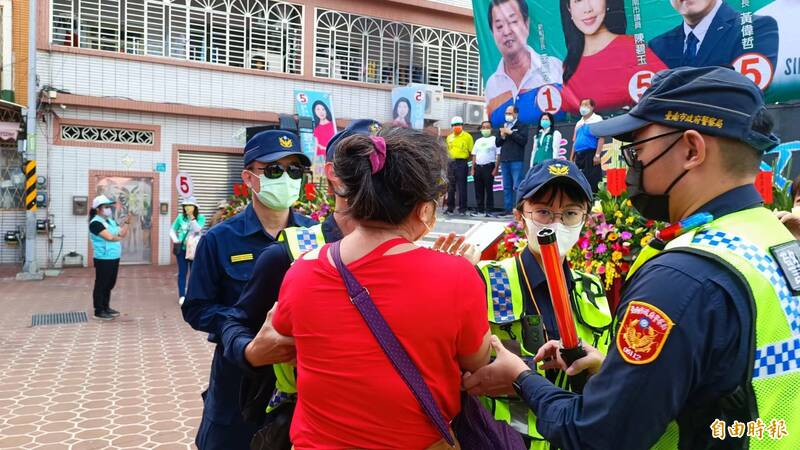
[(10, 120)]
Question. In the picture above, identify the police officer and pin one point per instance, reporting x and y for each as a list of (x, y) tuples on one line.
[(707, 330), (273, 170), (554, 194), (248, 338)]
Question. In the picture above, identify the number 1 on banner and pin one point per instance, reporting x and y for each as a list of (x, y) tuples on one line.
[(548, 99), (183, 183)]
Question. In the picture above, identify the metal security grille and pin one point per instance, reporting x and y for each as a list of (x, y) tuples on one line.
[(108, 135), (253, 34), (62, 318), (213, 176), (358, 48)]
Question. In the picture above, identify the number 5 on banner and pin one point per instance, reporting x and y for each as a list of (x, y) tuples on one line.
[(183, 183), (756, 67)]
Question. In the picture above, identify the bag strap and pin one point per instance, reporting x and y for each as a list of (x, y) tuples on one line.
[(391, 346)]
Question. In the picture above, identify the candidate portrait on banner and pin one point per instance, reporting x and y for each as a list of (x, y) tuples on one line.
[(601, 58), (712, 33), (521, 71)]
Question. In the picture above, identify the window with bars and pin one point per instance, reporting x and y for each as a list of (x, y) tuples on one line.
[(253, 34), (83, 133), (12, 179), (358, 48)]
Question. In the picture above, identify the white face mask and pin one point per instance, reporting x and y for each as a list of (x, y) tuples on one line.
[(566, 236), (107, 212), (280, 193), (429, 227), (509, 117), (585, 110)]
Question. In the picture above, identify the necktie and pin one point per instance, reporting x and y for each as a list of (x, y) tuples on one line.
[(691, 50)]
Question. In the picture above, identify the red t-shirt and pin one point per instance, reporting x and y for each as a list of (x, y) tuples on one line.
[(349, 394), (605, 76)]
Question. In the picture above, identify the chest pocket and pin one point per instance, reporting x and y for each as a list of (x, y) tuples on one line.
[(239, 265)]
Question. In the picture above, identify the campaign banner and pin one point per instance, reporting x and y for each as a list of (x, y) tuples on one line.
[(317, 106), (408, 107), (548, 55)]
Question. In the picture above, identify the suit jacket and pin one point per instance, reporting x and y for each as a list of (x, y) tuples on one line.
[(512, 147), (722, 43)]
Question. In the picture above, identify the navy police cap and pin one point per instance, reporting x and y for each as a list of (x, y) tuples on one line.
[(712, 100), (272, 145), (359, 126), (549, 171)]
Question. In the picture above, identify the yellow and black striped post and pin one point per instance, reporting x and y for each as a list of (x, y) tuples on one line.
[(30, 186)]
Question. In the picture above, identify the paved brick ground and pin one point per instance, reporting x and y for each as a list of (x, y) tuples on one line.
[(131, 383)]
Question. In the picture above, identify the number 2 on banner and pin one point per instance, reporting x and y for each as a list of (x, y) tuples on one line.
[(756, 67), (183, 183), (639, 82), (548, 99)]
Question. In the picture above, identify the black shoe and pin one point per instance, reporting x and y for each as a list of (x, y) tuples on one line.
[(103, 316), (448, 213), (473, 214), (112, 312), (491, 215)]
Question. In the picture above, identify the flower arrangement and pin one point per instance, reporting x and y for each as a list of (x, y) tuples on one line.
[(314, 201), (613, 235), (513, 241)]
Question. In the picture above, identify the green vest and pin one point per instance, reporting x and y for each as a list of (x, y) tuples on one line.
[(504, 293), (300, 241), (741, 241)]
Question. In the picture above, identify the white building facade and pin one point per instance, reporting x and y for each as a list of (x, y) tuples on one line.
[(134, 91)]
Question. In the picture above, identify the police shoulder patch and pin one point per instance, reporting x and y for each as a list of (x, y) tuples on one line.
[(642, 333)]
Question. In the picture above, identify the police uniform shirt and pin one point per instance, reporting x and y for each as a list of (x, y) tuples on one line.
[(223, 263), (259, 295), (704, 357)]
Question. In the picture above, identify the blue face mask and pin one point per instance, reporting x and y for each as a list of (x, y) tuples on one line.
[(545, 123)]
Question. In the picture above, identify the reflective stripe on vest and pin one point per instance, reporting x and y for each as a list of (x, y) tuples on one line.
[(505, 310), (741, 241), (300, 241), (103, 249)]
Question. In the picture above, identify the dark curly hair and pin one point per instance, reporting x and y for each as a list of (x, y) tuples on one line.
[(414, 172)]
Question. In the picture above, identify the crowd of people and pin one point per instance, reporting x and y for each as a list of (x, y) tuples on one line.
[(347, 334)]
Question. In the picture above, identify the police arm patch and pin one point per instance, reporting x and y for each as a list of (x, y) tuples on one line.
[(642, 333)]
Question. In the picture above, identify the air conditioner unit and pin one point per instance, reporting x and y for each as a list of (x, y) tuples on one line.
[(434, 100), (474, 113)]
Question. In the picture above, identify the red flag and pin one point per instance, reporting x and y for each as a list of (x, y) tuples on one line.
[(311, 192), (616, 181), (764, 186)]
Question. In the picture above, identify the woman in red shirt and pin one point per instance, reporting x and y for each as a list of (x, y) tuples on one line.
[(349, 394), (602, 62)]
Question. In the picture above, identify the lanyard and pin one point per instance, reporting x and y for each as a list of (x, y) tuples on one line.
[(533, 299)]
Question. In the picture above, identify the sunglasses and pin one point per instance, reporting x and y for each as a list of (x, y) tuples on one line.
[(630, 152), (275, 171)]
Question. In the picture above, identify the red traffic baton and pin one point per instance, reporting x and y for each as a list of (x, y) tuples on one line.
[(571, 348)]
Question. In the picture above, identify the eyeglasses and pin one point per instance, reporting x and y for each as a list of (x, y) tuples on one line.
[(570, 217), (630, 153), (275, 171)]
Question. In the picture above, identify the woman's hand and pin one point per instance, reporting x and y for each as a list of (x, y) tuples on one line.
[(454, 245), (550, 357), (790, 221), (496, 379)]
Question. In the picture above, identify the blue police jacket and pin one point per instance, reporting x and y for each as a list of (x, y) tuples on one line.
[(223, 264), (259, 296), (704, 357)]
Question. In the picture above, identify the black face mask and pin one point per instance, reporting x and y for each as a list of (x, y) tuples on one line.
[(651, 206)]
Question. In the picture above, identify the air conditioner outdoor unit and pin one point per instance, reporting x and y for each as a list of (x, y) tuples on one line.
[(474, 113), (434, 100)]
